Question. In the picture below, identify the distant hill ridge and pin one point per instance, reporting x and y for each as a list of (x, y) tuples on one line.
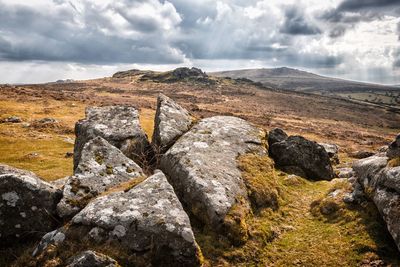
[(298, 80)]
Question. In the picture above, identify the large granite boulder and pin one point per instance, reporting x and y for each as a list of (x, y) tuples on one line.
[(147, 221), (203, 170), (276, 135), (394, 148), (27, 206), (171, 121), (302, 157), (92, 259), (381, 184), (119, 125), (101, 167)]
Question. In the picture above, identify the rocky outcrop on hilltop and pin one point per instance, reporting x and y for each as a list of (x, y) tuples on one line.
[(101, 167), (27, 205), (202, 167), (380, 182), (300, 156), (119, 125), (171, 121)]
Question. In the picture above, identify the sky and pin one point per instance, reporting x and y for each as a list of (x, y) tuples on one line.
[(48, 40)]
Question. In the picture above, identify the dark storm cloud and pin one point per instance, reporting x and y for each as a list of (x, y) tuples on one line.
[(356, 5), (296, 23), (54, 35), (351, 12)]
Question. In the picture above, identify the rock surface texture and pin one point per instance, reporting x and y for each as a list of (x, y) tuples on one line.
[(92, 259), (302, 157), (119, 125), (203, 170), (27, 206), (276, 135), (394, 148), (148, 221), (101, 167), (381, 184), (333, 152), (171, 121)]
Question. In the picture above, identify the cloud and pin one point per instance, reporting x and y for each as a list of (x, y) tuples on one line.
[(89, 33), (356, 5), (296, 23), (351, 12), (315, 35)]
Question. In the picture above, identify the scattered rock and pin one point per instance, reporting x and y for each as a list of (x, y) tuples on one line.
[(203, 170), (345, 172), (101, 167), (11, 119), (276, 135), (46, 121), (302, 157), (362, 154), (147, 221), (171, 121), (333, 152), (178, 75), (27, 205), (118, 125), (91, 259), (394, 148), (32, 155)]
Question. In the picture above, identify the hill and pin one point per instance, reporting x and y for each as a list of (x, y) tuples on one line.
[(297, 80)]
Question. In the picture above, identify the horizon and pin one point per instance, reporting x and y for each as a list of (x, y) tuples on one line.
[(90, 39)]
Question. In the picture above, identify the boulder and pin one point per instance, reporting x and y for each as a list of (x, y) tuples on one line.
[(333, 152), (27, 206), (5, 169), (381, 184), (394, 148), (366, 170), (147, 222), (101, 167), (171, 121), (203, 170), (119, 125), (276, 135), (302, 157), (91, 259)]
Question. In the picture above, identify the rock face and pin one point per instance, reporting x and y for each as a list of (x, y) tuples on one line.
[(276, 135), (118, 125), (171, 121), (394, 148), (203, 170), (5, 169), (92, 259), (147, 220), (302, 157), (27, 206), (101, 167), (382, 185), (333, 152)]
